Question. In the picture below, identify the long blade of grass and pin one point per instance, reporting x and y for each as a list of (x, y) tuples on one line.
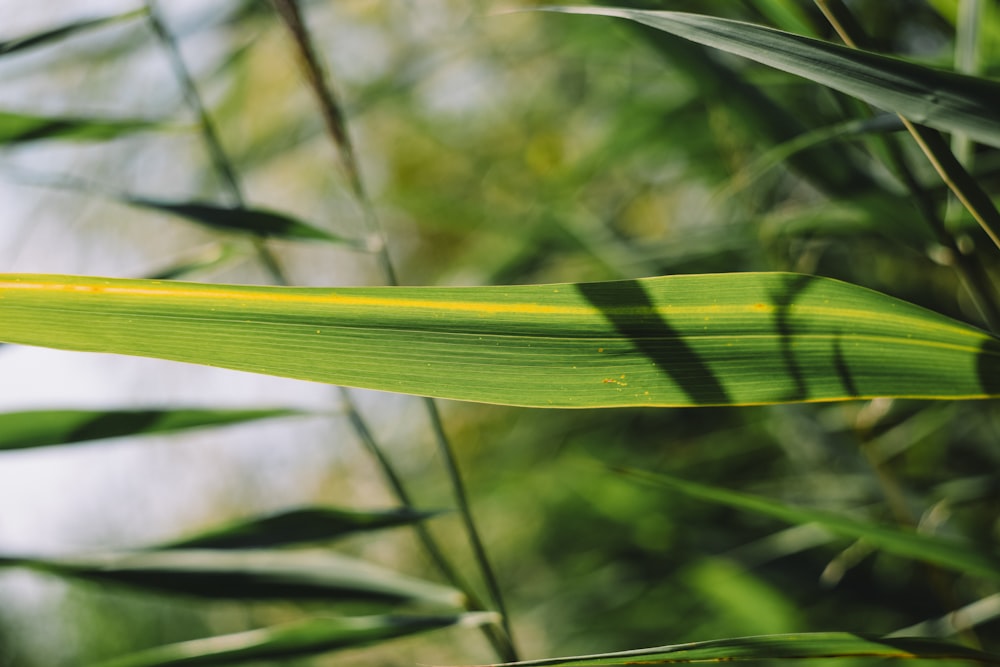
[(248, 575), (42, 428), (305, 524), (804, 646), (260, 222), (939, 99), (61, 32), (293, 640), (927, 548), (716, 339), (16, 128)]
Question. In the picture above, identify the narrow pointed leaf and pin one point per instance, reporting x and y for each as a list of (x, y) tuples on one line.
[(678, 340), (293, 640), (248, 575), (41, 428), (18, 128), (61, 32), (231, 218), (306, 524), (804, 646), (940, 99), (928, 548)]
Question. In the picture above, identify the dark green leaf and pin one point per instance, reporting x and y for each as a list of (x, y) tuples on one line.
[(20, 128), (58, 33)]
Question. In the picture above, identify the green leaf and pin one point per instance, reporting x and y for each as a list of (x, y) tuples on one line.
[(928, 548), (248, 575), (939, 99), (805, 646), (293, 640), (233, 218), (41, 428), (66, 30), (717, 339), (306, 524), (20, 128)]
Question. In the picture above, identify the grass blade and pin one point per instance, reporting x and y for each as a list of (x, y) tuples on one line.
[(926, 548), (248, 575), (61, 32), (18, 128), (293, 640), (306, 524), (942, 100), (259, 222), (42, 428), (804, 646), (716, 339)]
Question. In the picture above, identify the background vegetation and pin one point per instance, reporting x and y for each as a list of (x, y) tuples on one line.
[(491, 149)]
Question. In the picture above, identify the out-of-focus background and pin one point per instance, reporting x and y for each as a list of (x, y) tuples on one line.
[(497, 148)]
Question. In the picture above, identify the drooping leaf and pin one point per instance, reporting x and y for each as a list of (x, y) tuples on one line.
[(66, 30), (16, 128), (940, 99), (677, 340), (248, 575), (41, 428), (306, 524), (293, 640), (232, 218), (804, 646), (928, 548)]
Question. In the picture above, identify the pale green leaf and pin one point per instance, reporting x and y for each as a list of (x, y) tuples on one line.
[(16, 128), (805, 646), (293, 640), (678, 340)]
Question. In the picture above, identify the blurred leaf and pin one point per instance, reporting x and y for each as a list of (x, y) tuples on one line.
[(20, 128), (307, 524), (928, 548), (805, 646), (230, 218), (66, 30), (676, 340), (248, 575), (940, 99), (203, 259), (292, 640), (41, 428)]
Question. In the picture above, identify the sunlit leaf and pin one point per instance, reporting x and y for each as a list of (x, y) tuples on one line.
[(293, 640), (232, 218), (61, 32), (40, 428), (928, 548), (805, 646), (20, 127), (248, 575), (940, 99), (676, 340), (306, 524)]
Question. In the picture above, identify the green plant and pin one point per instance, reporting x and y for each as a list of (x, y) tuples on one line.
[(814, 207)]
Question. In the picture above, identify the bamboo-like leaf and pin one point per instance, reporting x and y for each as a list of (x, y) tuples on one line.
[(233, 218), (939, 99), (41, 428), (928, 548), (248, 575), (293, 640), (61, 32), (677, 340), (803, 646), (305, 524), (18, 128)]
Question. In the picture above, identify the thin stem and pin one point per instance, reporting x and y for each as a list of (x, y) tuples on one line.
[(220, 160), (336, 125)]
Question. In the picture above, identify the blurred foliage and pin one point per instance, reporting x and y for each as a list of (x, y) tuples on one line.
[(522, 148)]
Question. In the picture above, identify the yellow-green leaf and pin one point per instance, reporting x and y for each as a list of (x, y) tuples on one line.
[(718, 339)]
